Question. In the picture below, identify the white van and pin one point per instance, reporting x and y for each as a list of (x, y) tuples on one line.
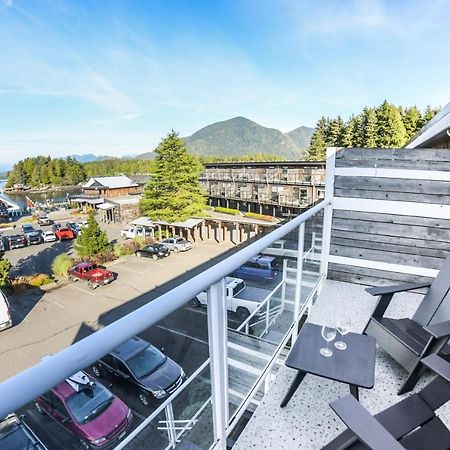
[(5, 315)]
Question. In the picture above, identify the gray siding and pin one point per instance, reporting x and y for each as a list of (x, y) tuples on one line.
[(389, 239)]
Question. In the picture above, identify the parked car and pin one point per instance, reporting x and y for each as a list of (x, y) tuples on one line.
[(28, 228), (260, 267), (15, 434), (56, 226), (133, 232), (2, 244), (177, 244), (16, 241), (241, 299), (5, 313), (44, 221), (154, 251), (86, 408), (34, 238), (48, 236), (153, 374), (94, 275), (64, 233), (83, 224), (74, 227)]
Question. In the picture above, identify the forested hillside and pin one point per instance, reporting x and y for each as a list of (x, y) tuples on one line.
[(384, 126), (45, 171)]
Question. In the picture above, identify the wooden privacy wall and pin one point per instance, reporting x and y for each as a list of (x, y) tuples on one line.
[(391, 214)]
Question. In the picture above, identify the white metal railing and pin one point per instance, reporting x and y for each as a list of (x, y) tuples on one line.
[(27, 385)]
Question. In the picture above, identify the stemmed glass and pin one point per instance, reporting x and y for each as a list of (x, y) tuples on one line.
[(343, 327), (328, 333)]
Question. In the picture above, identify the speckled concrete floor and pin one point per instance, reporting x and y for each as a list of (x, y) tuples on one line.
[(308, 422)]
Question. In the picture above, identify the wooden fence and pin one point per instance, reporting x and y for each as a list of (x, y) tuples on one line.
[(391, 214)]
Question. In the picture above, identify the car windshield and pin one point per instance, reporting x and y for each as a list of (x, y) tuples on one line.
[(14, 438), (146, 362), (89, 403)]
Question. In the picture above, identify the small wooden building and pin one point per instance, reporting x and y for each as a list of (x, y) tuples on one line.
[(107, 187)]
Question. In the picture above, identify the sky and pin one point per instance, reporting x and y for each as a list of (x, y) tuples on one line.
[(114, 77)]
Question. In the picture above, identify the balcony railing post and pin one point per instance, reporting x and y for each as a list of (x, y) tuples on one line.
[(299, 276), (218, 352), (170, 422), (283, 286)]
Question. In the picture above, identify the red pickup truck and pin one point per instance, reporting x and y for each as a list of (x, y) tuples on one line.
[(92, 273), (63, 233)]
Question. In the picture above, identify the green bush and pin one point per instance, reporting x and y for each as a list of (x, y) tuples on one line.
[(39, 279), (5, 268), (232, 212), (60, 265), (251, 215)]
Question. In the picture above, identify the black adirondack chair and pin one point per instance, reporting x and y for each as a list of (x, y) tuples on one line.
[(410, 340), (410, 424)]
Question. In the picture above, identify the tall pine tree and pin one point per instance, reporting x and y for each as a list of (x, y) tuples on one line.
[(412, 119), (317, 146), (369, 128), (92, 240), (174, 192), (391, 130)]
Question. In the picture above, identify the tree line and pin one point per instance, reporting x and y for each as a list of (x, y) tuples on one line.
[(255, 157), (44, 171), (385, 126)]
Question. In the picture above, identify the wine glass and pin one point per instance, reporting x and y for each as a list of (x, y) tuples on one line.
[(328, 333), (343, 327)]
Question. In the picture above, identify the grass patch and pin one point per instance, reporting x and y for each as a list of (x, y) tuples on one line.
[(263, 217), (230, 211), (60, 265)]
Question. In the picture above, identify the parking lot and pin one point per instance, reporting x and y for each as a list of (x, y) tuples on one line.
[(47, 321)]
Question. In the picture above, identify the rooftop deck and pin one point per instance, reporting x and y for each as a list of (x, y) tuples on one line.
[(308, 421)]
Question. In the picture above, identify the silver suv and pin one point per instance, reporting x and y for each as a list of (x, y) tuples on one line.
[(177, 244)]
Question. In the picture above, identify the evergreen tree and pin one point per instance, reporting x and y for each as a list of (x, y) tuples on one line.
[(174, 192), (317, 146), (412, 119), (5, 268), (428, 114), (334, 132), (351, 136), (369, 128), (390, 129), (92, 240)]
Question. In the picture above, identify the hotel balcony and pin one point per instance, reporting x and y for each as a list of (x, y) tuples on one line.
[(384, 220)]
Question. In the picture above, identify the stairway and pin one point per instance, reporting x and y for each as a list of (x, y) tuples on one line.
[(247, 356)]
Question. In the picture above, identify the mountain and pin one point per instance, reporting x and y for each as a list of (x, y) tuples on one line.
[(89, 157), (301, 136), (241, 136)]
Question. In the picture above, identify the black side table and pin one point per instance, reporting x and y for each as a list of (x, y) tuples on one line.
[(354, 366)]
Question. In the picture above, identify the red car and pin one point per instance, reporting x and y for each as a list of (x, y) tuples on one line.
[(64, 233), (86, 408), (94, 275)]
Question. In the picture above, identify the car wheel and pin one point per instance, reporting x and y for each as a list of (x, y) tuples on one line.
[(97, 372), (143, 398), (91, 285), (139, 254), (84, 444), (73, 279), (39, 408), (242, 313), (195, 303), (155, 257), (176, 249)]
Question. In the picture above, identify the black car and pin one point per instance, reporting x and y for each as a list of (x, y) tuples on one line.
[(153, 374), (74, 227), (34, 238), (16, 434), (28, 228), (56, 226), (44, 220), (16, 241), (154, 251)]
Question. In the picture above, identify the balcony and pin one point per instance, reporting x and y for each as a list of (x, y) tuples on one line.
[(361, 234)]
